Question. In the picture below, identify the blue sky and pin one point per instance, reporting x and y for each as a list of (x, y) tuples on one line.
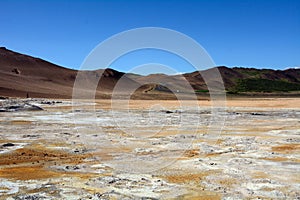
[(261, 34)]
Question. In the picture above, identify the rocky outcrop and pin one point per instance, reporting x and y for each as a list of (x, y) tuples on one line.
[(10, 105)]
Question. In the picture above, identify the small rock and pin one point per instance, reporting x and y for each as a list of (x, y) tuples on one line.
[(16, 71), (8, 145)]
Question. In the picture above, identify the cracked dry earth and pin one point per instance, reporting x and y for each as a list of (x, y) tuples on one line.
[(157, 150)]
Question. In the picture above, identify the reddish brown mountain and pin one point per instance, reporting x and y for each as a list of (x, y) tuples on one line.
[(22, 75)]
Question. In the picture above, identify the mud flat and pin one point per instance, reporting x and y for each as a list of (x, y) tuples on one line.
[(154, 150)]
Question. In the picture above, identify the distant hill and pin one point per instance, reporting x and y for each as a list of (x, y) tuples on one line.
[(22, 75), (245, 80), (237, 80)]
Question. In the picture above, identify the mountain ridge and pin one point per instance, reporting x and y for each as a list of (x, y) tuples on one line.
[(23, 75)]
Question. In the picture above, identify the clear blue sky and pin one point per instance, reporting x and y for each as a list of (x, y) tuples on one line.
[(261, 34)]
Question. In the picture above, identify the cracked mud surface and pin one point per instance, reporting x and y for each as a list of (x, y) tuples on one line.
[(60, 153)]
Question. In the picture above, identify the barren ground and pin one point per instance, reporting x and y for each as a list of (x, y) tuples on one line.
[(154, 150)]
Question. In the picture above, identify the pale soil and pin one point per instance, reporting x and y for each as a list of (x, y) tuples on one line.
[(96, 151), (173, 104)]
